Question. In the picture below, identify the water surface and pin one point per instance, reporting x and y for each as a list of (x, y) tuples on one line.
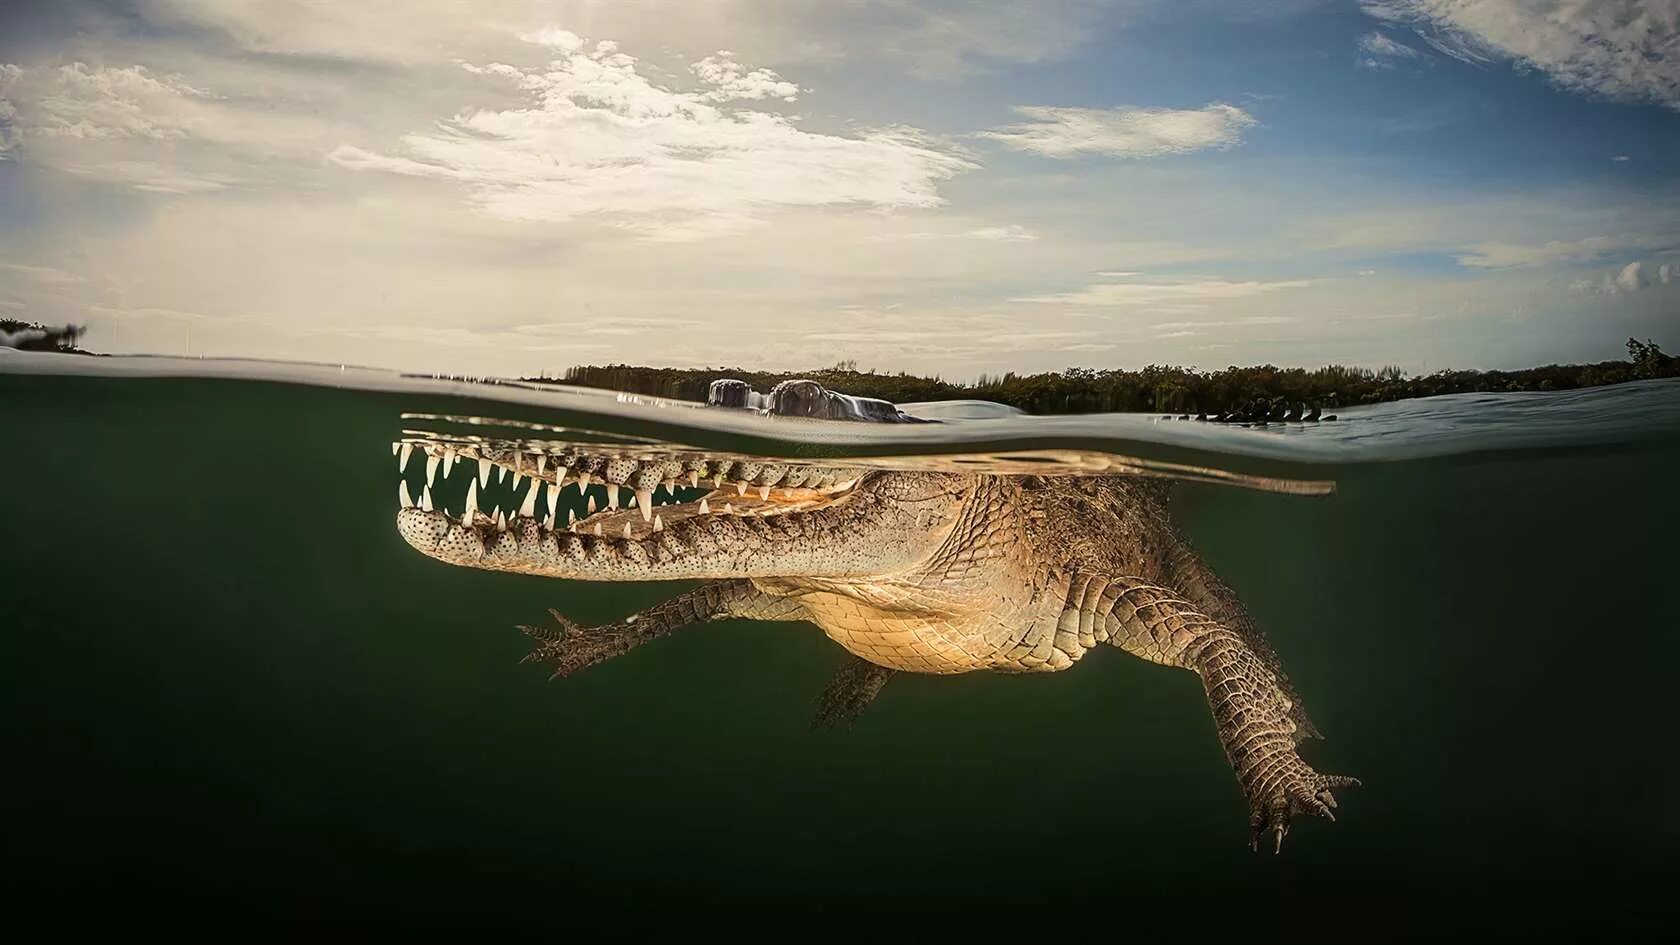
[(238, 701)]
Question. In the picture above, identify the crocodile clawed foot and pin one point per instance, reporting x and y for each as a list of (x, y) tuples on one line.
[(571, 647), (1301, 790)]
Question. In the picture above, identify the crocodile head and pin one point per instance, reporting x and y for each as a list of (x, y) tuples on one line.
[(722, 515)]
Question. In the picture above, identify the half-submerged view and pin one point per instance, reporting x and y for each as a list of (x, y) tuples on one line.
[(641, 470)]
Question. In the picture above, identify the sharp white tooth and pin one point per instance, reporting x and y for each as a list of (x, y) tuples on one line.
[(517, 456), (704, 508), (644, 499), (612, 496), (552, 497), (483, 473), (426, 498), (402, 456), (741, 487), (717, 482), (658, 523), (431, 466), (591, 507), (597, 529), (583, 481), (560, 477), (627, 533), (570, 517), (729, 508), (501, 521), (528, 508), (542, 463), (472, 501), (764, 493), (448, 462), (395, 446), (694, 479), (402, 495)]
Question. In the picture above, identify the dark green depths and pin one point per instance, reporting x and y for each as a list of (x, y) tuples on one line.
[(238, 703)]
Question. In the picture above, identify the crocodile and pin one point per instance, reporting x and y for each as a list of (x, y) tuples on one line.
[(910, 570)]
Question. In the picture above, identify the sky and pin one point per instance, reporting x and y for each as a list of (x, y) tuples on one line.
[(938, 186)]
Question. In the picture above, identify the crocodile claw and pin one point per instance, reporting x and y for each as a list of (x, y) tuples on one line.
[(571, 647), (1300, 791)]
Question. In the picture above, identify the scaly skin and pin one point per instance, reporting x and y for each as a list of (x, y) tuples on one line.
[(922, 572)]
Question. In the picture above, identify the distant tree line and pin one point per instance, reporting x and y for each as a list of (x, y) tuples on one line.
[(31, 336), (1155, 389)]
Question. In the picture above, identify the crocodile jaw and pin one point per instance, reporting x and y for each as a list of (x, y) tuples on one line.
[(861, 534)]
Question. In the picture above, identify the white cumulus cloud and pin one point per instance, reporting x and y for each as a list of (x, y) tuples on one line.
[(1623, 49), (1631, 278), (1127, 131), (1380, 52), (598, 138), (732, 81)]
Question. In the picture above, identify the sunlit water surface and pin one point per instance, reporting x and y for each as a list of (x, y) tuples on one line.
[(237, 700)]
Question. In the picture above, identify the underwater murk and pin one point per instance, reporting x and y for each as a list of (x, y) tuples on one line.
[(249, 689)]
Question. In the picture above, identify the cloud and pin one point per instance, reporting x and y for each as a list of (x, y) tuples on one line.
[(1127, 131), (1380, 52), (1141, 293), (598, 138), (1010, 233), (102, 104), (1621, 158), (1630, 279), (9, 135), (732, 81), (1621, 49), (1496, 255)]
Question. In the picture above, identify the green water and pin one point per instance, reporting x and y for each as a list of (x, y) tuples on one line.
[(238, 703)]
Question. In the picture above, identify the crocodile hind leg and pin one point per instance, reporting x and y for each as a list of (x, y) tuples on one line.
[(1250, 698), (571, 647), (851, 691)]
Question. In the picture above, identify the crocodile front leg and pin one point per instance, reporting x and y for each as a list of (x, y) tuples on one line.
[(1249, 696), (571, 647)]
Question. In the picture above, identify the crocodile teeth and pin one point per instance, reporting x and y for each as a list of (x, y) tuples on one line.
[(528, 508), (627, 533), (729, 508), (483, 473), (553, 498), (694, 479), (395, 446), (431, 466), (658, 523), (612, 496), (402, 495), (764, 493), (426, 498), (704, 508), (560, 477), (402, 457), (597, 529), (542, 462), (591, 508), (571, 519), (501, 521), (472, 501), (717, 483), (644, 501), (741, 487)]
